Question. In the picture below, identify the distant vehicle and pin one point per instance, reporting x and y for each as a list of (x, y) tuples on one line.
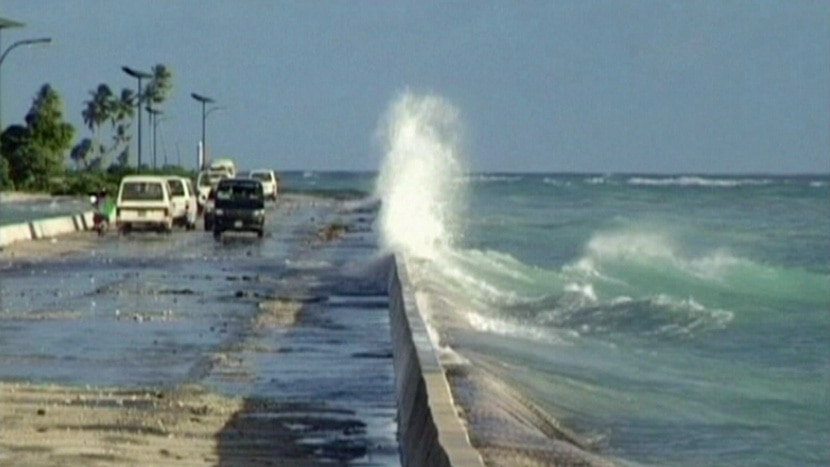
[(225, 166), (185, 206), (239, 206), (268, 180), (144, 202)]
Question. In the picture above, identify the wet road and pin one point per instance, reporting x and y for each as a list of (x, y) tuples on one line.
[(296, 323)]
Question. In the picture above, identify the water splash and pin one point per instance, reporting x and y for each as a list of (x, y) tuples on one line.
[(421, 177)]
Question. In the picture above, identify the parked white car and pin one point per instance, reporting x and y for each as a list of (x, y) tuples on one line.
[(144, 202), (185, 208), (268, 180)]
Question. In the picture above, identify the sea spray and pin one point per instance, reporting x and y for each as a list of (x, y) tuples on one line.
[(421, 177)]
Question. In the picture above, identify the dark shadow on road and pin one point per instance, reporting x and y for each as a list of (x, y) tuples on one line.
[(290, 434)]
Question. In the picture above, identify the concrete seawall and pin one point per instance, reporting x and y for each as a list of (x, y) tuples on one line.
[(430, 430), (45, 228)]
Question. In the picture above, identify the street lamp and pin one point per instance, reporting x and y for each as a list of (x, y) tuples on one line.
[(154, 113), (204, 100), (39, 40), (213, 109), (138, 75), (156, 123)]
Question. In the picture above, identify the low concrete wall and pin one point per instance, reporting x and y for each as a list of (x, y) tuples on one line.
[(45, 228), (429, 429)]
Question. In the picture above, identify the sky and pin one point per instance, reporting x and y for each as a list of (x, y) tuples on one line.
[(646, 86)]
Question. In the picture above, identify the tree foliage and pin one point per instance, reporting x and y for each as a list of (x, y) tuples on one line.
[(5, 181), (80, 153), (35, 152)]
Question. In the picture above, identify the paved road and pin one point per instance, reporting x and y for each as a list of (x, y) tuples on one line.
[(296, 323)]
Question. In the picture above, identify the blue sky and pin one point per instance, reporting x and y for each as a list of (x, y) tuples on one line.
[(609, 86)]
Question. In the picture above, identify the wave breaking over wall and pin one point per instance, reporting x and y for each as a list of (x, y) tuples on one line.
[(421, 176)]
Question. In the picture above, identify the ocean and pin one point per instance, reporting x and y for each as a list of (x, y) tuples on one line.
[(676, 320)]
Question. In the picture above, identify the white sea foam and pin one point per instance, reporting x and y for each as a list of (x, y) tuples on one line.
[(640, 246), (695, 181), (419, 173), (484, 178), (586, 291), (556, 181), (511, 328), (595, 180), (630, 244)]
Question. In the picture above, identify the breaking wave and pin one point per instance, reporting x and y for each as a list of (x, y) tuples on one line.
[(418, 179)]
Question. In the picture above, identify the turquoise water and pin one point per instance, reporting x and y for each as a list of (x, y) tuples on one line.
[(667, 320), (674, 320)]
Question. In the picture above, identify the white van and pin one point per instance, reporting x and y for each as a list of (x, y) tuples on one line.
[(144, 202), (268, 180), (223, 166), (184, 201)]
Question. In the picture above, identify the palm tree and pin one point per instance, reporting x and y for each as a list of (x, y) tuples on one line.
[(157, 91), (122, 110), (97, 111), (98, 107), (159, 86)]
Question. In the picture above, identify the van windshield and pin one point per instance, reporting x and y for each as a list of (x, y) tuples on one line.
[(142, 191), (238, 193)]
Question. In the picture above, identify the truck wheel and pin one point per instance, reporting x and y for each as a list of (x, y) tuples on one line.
[(260, 233), (217, 234)]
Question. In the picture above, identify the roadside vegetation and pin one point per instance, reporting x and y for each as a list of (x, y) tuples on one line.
[(38, 154)]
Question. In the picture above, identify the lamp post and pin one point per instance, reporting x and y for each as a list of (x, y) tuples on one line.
[(204, 100), (163, 145), (138, 75), (154, 113), (39, 40), (213, 109)]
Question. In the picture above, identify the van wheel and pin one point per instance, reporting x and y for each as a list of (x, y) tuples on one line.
[(260, 233), (217, 234)]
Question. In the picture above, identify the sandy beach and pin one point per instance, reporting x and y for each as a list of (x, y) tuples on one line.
[(54, 425)]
